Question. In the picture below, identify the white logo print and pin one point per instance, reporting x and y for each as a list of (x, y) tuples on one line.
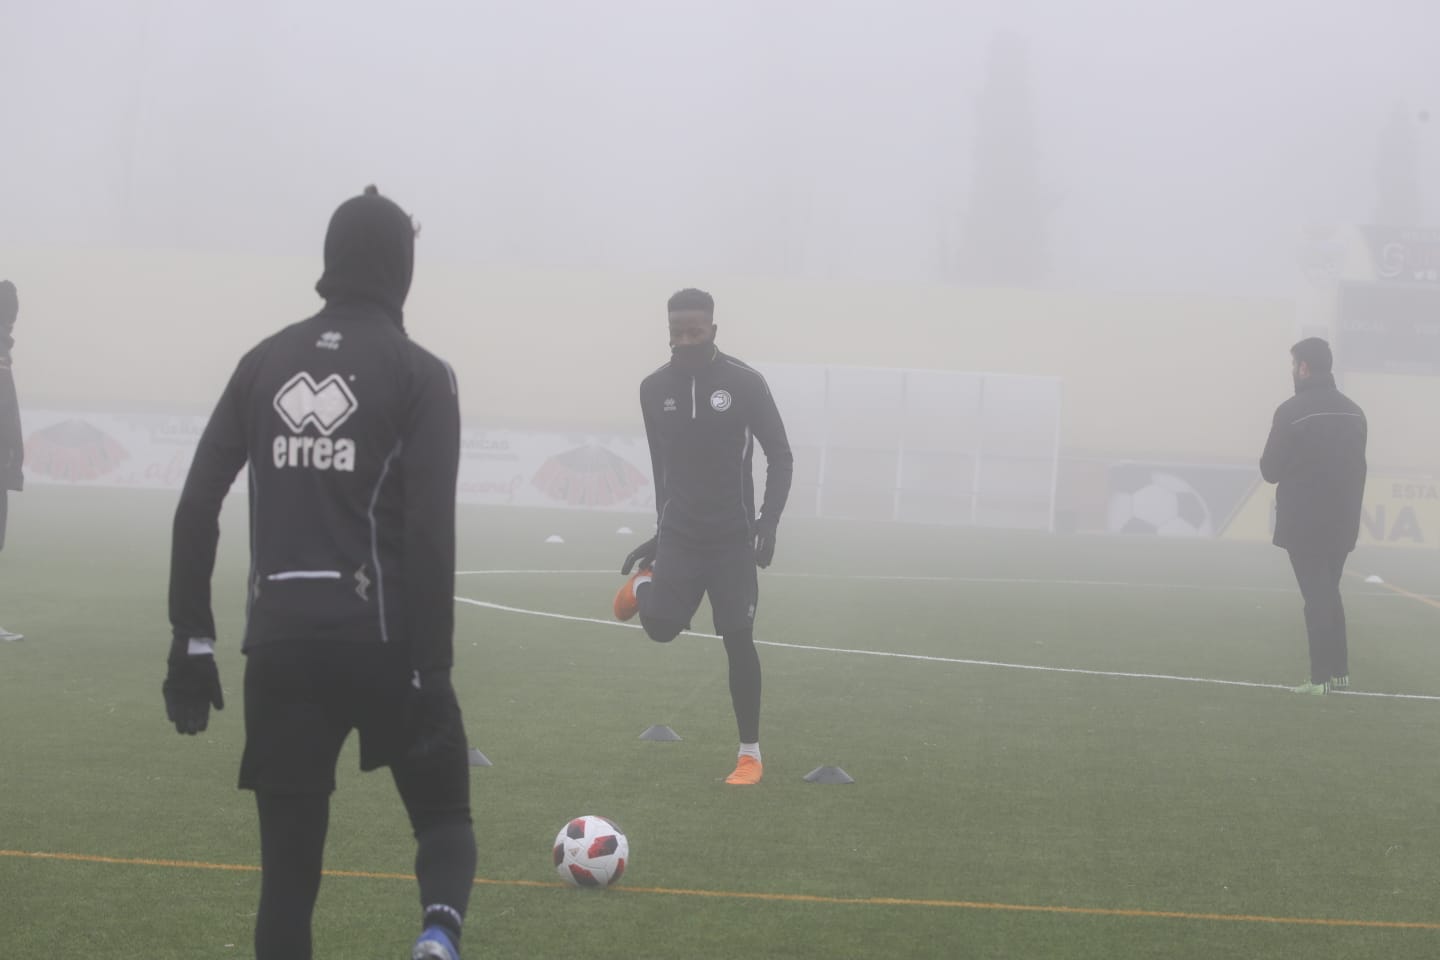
[(670, 405), (329, 340), (720, 401), (326, 404)]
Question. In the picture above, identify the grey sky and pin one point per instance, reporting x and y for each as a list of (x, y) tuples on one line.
[(1188, 141)]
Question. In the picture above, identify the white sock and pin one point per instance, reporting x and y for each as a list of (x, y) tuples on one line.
[(641, 582), (750, 750)]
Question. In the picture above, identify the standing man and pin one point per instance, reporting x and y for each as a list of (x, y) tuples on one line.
[(703, 412), (352, 436), (1316, 454), (12, 440)]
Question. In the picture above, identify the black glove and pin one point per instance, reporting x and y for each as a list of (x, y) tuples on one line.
[(643, 554), (191, 688), (437, 730), (764, 544)]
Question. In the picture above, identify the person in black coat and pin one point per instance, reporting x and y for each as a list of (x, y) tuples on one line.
[(12, 441), (1316, 456)]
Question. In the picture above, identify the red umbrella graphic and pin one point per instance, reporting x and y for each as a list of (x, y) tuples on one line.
[(73, 450), (588, 476)]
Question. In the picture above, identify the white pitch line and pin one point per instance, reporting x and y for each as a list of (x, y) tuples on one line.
[(485, 604), (984, 581), (572, 619), (500, 573), (1035, 582)]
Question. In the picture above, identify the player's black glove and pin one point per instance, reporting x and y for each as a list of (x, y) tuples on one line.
[(191, 688), (643, 555), (764, 544), (436, 727)]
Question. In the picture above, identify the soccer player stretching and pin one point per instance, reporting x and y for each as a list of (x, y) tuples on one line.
[(703, 412), (352, 434)]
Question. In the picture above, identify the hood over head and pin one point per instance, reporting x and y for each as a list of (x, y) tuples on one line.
[(369, 254)]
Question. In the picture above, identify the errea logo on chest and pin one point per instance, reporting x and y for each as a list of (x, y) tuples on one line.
[(670, 405)]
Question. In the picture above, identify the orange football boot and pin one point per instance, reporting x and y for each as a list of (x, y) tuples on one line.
[(626, 603), (747, 772)]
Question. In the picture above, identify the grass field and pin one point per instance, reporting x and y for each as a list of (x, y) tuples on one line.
[(997, 811)]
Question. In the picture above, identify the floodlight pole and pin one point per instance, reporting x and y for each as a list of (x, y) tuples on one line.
[(900, 450), (979, 452), (824, 447), (1055, 456)]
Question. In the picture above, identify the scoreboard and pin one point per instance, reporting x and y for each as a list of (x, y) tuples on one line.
[(1388, 328)]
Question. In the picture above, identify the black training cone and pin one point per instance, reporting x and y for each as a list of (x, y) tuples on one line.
[(828, 775), (659, 732), (478, 759)]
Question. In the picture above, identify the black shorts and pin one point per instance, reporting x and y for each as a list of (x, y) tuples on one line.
[(302, 699), (685, 572)]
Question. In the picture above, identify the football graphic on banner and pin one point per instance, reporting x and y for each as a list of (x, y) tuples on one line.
[(1161, 504)]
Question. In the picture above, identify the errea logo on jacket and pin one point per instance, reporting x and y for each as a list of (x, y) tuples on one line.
[(302, 403)]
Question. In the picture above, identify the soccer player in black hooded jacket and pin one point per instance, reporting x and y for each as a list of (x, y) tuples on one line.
[(351, 432), (703, 413), (1316, 456)]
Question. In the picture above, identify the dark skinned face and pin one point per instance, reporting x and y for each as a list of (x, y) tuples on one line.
[(690, 327)]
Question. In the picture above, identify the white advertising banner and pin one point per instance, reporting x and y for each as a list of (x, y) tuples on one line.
[(108, 449), (500, 467), (597, 472)]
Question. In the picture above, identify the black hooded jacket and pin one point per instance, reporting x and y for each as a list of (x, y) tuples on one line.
[(12, 439), (352, 435), (1316, 455)]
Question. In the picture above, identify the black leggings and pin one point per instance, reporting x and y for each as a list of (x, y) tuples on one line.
[(744, 672), (744, 683), (292, 846)]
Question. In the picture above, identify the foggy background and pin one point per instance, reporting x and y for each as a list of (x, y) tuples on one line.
[(1113, 192), (1182, 143)]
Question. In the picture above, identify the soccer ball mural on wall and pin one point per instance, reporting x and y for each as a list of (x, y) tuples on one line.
[(1160, 503)]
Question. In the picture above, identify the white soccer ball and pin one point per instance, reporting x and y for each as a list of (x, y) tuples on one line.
[(1165, 505), (591, 851)]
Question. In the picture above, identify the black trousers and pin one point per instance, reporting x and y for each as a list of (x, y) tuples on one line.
[(1318, 573)]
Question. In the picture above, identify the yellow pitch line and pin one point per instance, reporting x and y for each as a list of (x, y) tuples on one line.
[(1401, 591), (777, 897), (1038, 908), (236, 867)]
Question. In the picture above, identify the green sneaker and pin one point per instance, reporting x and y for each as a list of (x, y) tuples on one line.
[(1340, 682), (1313, 689)]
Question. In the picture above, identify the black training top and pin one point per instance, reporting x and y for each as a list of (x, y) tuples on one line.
[(702, 428), (352, 435)]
